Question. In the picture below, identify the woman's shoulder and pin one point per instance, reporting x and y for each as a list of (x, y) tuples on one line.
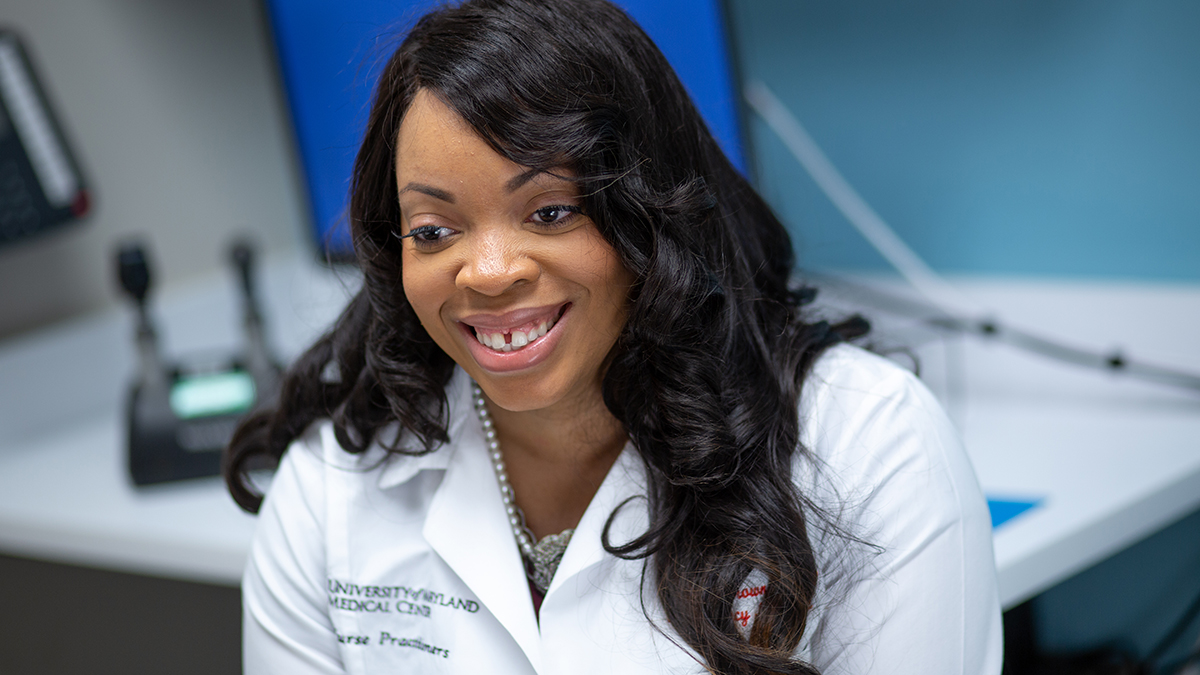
[(318, 458), (316, 466), (887, 467), (847, 371), (851, 391), (874, 431), (305, 469), (317, 451)]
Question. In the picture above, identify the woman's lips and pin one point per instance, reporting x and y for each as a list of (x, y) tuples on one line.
[(510, 340), (514, 340)]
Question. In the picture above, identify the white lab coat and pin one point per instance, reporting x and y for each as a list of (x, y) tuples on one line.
[(374, 564)]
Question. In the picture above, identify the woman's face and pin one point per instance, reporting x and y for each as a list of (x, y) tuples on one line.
[(503, 269)]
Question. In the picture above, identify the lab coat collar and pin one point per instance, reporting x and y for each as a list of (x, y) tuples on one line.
[(624, 487), (399, 469), (468, 528)]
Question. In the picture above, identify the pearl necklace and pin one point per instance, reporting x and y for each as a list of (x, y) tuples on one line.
[(543, 557)]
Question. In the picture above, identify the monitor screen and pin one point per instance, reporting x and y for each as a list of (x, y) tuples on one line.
[(330, 53)]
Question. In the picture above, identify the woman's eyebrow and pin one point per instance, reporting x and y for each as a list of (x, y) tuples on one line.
[(436, 193), (517, 182)]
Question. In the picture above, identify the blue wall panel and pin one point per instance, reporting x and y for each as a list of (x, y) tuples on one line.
[(330, 53), (1048, 138)]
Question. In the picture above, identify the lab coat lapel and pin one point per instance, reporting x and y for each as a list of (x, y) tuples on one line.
[(466, 525), (626, 480)]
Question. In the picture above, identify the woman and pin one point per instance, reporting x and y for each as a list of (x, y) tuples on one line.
[(574, 421)]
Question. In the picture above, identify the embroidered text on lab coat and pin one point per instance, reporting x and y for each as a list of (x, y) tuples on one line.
[(397, 599)]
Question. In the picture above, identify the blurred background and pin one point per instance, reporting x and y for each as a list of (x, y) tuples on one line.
[(175, 111), (1043, 157), (1033, 139)]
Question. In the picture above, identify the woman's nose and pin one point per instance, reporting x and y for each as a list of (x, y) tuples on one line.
[(496, 261)]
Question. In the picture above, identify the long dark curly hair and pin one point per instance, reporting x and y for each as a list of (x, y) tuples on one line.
[(706, 375)]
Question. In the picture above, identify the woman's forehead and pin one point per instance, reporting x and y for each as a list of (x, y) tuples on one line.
[(435, 143), (430, 122)]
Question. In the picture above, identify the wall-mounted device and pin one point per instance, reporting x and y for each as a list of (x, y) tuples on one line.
[(41, 186), (181, 415)]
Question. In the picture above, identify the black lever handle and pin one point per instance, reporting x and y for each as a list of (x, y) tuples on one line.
[(133, 269), (258, 357), (241, 253)]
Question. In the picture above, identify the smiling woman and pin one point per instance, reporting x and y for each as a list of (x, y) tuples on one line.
[(568, 399)]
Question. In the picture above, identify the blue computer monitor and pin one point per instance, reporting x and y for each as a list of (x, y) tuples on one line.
[(331, 51)]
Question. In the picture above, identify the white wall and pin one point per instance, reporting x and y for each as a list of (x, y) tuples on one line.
[(181, 129)]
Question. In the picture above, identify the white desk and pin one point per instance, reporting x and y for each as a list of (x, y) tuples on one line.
[(65, 492), (1112, 461)]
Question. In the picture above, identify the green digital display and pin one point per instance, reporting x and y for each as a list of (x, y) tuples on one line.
[(211, 394)]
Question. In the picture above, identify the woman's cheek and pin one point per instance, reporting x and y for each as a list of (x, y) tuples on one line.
[(420, 291)]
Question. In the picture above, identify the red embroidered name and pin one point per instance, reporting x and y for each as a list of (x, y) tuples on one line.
[(751, 592), (743, 618)]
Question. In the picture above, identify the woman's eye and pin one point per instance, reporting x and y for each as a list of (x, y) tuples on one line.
[(428, 235), (554, 215)]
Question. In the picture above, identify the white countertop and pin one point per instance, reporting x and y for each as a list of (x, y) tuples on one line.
[(65, 491), (1110, 460)]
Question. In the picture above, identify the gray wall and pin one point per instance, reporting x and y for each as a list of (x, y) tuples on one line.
[(176, 116)]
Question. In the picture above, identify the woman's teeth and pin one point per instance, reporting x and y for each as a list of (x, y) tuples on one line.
[(516, 339)]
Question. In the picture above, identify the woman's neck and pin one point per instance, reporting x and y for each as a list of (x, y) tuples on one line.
[(557, 458)]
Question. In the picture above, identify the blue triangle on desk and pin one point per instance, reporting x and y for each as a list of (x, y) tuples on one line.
[(1004, 510)]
